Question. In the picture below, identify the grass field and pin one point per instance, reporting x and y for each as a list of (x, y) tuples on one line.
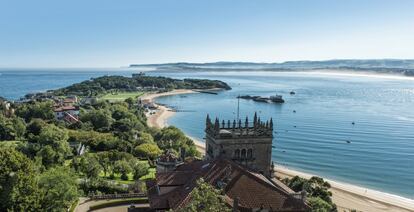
[(121, 96)]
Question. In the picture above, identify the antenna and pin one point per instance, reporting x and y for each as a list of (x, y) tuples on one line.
[(238, 107)]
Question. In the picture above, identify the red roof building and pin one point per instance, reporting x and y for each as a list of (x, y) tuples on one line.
[(253, 191)]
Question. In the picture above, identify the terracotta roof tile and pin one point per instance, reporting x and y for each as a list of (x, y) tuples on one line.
[(253, 189)]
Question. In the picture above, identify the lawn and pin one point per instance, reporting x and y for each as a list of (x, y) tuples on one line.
[(121, 96)]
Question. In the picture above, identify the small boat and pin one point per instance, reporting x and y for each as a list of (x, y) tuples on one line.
[(292, 93)]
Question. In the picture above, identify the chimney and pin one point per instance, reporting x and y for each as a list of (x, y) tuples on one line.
[(235, 205)]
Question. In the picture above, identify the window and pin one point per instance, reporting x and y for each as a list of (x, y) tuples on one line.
[(250, 154), (243, 153), (237, 153)]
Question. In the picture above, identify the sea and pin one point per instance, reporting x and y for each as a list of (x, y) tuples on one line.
[(352, 128)]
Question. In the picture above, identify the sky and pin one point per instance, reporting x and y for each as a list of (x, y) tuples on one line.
[(104, 33)]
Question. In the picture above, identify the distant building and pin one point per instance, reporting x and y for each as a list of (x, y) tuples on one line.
[(70, 100), (248, 144), (67, 113)]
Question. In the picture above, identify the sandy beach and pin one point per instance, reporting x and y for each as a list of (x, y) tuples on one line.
[(346, 196), (159, 119)]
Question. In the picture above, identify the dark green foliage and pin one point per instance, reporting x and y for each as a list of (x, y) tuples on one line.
[(205, 198), (122, 167), (59, 189), (88, 164), (12, 128), (140, 169), (148, 150), (41, 110), (18, 186), (54, 147), (101, 186), (173, 138), (104, 84), (317, 190), (95, 140), (101, 120)]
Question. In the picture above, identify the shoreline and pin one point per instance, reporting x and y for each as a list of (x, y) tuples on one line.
[(346, 196)]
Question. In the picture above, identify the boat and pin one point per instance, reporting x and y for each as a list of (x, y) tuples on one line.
[(261, 99), (292, 93), (277, 99)]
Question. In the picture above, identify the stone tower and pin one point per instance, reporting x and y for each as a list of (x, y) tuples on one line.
[(248, 144)]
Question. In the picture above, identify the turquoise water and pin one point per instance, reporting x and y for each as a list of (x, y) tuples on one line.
[(381, 153)]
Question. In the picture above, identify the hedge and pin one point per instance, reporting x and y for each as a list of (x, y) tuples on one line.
[(111, 203)]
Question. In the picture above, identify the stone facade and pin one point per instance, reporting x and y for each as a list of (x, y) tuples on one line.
[(248, 144)]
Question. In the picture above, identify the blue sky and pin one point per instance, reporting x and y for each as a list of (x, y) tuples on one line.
[(103, 33)]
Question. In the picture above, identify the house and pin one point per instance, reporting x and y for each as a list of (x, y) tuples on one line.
[(243, 189), (67, 113)]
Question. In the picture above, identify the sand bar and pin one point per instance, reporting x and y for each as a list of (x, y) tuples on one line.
[(346, 196)]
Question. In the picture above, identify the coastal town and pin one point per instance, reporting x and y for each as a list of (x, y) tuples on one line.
[(235, 158)]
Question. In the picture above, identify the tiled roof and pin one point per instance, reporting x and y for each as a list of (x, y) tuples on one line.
[(65, 108), (253, 190)]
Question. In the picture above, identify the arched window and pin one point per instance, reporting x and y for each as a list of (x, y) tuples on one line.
[(250, 153), (237, 153), (243, 153)]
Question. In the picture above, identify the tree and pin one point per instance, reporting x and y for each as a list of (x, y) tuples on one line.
[(54, 145), (319, 205), (172, 137), (122, 167), (140, 169), (317, 190), (41, 110), (145, 138), (148, 150), (18, 186), (59, 188), (89, 165), (100, 119), (206, 198), (35, 126)]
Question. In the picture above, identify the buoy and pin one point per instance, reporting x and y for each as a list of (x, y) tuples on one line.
[(294, 111), (353, 123)]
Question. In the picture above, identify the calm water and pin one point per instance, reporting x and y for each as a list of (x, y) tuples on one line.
[(14, 84), (381, 152)]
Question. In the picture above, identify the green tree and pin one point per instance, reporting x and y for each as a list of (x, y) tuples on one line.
[(148, 150), (205, 198), (316, 188), (55, 147), (145, 138), (41, 110), (140, 169), (59, 188), (89, 165), (101, 120), (18, 186), (122, 167), (319, 205)]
